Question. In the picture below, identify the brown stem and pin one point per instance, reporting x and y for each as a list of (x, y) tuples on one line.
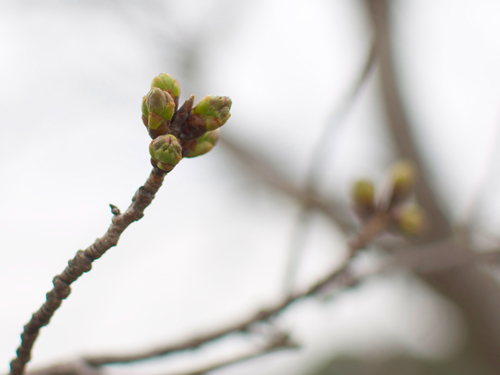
[(231, 361), (82, 262), (321, 149), (476, 293), (317, 164), (426, 259), (273, 177), (398, 123), (373, 228)]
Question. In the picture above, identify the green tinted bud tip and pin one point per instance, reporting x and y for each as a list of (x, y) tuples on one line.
[(213, 110), (166, 151), (363, 193), (411, 220), (203, 144), (167, 83), (402, 176), (160, 107)]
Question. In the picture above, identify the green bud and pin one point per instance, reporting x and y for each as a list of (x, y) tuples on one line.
[(160, 107), (167, 83), (203, 144), (411, 220), (166, 151), (402, 176), (211, 112), (363, 193)]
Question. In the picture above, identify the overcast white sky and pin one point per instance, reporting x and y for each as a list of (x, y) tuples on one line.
[(212, 246)]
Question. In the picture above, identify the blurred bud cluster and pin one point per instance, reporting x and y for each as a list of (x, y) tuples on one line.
[(180, 132), (407, 217)]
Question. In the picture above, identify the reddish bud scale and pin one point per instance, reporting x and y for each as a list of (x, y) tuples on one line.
[(194, 127), (179, 120)]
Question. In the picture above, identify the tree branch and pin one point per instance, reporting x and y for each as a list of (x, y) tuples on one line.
[(271, 176), (476, 293), (373, 228), (317, 163), (79, 367), (82, 262), (283, 342), (424, 259), (398, 123)]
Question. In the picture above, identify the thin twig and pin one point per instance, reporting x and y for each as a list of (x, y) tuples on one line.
[(271, 176), (82, 262), (398, 123), (316, 165), (77, 367), (433, 258), (259, 353), (369, 231), (475, 292), (470, 213), (296, 248), (282, 343), (337, 117)]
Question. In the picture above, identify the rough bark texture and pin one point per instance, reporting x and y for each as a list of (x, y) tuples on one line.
[(82, 262)]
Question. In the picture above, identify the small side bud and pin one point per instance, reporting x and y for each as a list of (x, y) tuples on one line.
[(202, 145), (169, 84), (210, 113), (166, 151), (411, 220), (402, 176), (363, 193)]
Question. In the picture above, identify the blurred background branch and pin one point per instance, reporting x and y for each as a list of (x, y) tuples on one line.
[(309, 118), (477, 294)]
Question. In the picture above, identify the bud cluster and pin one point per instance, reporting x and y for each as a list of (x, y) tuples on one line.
[(405, 217), (180, 132)]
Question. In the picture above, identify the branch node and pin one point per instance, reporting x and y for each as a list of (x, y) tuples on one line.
[(114, 210)]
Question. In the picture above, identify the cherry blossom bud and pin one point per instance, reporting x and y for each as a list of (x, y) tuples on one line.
[(402, 177), (411, 220), (202, 145), (363, 193), (210, 113), (160, 107), (166, 151), (169, 84)]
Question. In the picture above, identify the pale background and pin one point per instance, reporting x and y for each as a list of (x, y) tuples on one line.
[(211, 249)]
